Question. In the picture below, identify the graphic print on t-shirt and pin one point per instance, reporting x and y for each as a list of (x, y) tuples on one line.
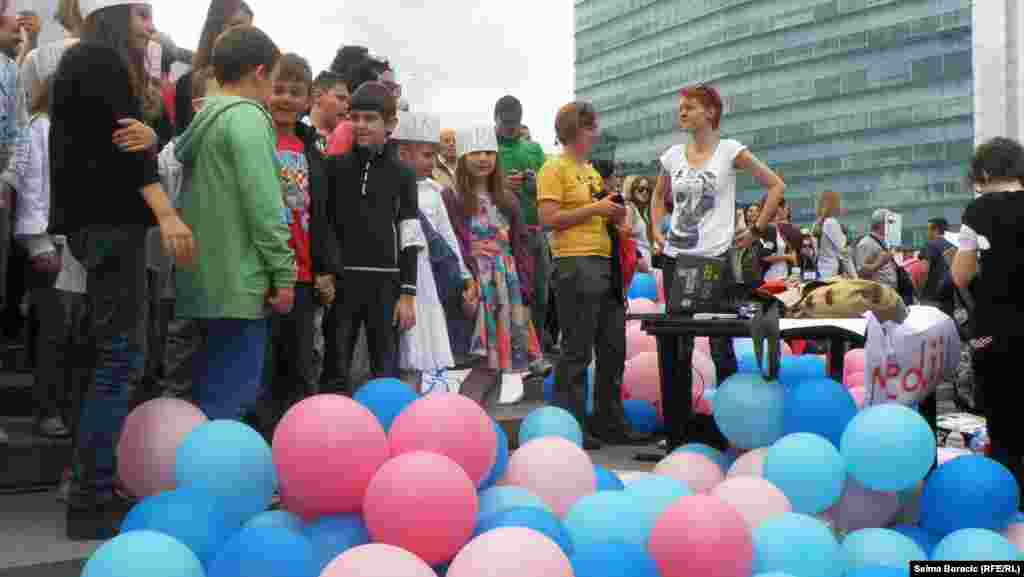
[(695, 195)]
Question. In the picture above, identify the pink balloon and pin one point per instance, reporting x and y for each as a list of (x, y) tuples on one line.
[(556, 470), (449, 424), (862, 508), (149, 442), (639, 342), (1015, 534), (787, 351), (749, 464), (703, 364), (511, 552), (326, 449), (699, 473), (949, 453), (659, 280), (854, 380), (702, 344), (853, 362), (702, 535), (424, 503), (377, 560), (643, 306), (756, 499), (642, 380), (859, 395)]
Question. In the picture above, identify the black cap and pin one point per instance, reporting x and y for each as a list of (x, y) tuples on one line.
[(508, 111)]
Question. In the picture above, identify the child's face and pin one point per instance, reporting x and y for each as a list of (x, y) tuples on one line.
[(334, 103), (481, 164), (370, 128), (419, 156), (289, 99)]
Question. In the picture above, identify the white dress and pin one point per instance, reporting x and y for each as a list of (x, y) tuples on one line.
[(426, 347)]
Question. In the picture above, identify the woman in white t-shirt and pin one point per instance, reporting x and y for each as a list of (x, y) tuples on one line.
[(702, 178)]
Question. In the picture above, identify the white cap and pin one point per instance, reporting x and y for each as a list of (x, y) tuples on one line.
[(418, 127), (477, 139), (89, 7), (154, 60)]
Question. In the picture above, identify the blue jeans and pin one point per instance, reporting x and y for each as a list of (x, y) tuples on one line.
[(227, 368)]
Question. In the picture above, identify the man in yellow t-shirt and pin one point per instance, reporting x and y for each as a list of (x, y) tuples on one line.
[(591, 307)]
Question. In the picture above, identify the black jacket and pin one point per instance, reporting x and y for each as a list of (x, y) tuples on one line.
[(92, 181), (370, 194), (325, 250)]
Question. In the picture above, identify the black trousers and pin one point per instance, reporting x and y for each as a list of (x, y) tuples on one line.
[(60, 349), (292, 368), (592, 319), (993, 369), (365, 299)]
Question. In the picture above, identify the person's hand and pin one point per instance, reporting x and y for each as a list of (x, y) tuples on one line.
[(325, 286), (405, 313), (30, 23), (744, 239), (134, 136), (48, 262), (659, 242), (471, 296), (177, 240), (610, 209), (514, 181), (281, 300)]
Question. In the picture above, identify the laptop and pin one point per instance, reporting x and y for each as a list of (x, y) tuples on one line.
[(699, 287)]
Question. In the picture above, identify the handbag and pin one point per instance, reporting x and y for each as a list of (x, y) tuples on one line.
[(443, 262)]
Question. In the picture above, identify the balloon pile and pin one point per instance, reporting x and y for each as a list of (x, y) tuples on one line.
[(398, 485)]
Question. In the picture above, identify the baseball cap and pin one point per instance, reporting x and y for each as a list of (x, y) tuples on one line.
[(508, 111)]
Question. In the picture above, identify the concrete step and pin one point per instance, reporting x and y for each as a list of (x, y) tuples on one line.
[(30, 462)]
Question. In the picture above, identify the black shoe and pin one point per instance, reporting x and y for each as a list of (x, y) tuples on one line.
[(96, 519), (620, 436), (591, 443)]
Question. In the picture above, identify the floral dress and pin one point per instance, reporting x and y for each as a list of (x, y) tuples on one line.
[(503, 333)]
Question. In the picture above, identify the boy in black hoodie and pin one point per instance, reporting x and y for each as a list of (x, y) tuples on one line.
[(290, 371), (372, 203)]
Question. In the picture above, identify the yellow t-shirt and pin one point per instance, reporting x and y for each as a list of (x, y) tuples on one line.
[(572, 186)]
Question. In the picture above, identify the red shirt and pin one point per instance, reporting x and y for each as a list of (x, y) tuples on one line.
[(341, 139), (291, 154)]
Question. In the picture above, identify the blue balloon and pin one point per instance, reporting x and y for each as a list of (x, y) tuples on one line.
[(502, 498), (230, 461), (385, 398), (969, 492), (644, 286), (500, 461), (742, 346), (641, 415), (265, 551), (747, 363), (541, 521), (975, 544), (710, 452), (881, 547), (331, 536), (925, 540), (607, 480), (774, 574), (147, 553), (796, 369), (607, 516), (749, 409), (612, 560), (879, 571), (550, 422), (195, 518), (797, 544), (650, 497), (282, 519), (1018, 517), (888, 447), (820, 406), (808, 470)]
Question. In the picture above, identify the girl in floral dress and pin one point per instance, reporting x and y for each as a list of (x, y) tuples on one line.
[(488, 223)]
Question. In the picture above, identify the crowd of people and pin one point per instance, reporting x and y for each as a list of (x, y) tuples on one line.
[(261, 228)]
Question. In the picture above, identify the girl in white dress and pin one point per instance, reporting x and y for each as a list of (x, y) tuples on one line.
[(425, 350)]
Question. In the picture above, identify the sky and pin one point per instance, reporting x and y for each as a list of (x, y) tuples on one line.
[(454, 58)]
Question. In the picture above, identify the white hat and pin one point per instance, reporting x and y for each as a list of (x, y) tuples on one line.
[(89, 7), (477, 139), (418, 127), (154, 60)]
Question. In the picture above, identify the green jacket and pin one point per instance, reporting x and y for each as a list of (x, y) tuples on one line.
[(521, 155), (235, 209)]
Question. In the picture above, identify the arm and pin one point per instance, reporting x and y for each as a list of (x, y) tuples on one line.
[(33, 213), (965, 263), (767, 178), (458, 220), (251, 146), (521, 254), (550, 197), (410, 233), (658, 210)]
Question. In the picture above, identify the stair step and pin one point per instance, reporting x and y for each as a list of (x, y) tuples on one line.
[(30, 462)]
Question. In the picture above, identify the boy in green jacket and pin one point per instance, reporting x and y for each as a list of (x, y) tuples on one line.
[(235, 207)]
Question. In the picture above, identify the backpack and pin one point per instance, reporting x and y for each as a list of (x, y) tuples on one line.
[(848, 299), (904, 284), (443, 262)]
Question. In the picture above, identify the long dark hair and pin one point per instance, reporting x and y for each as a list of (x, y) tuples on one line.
[(505, 200), (111, 27), (217, 18)]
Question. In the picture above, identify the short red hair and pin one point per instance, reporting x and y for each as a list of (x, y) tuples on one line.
[(708, 98)]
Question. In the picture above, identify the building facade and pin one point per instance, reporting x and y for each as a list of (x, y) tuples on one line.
[(871, 98)]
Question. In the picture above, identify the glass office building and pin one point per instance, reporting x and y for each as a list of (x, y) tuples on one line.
[(872, 98)]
